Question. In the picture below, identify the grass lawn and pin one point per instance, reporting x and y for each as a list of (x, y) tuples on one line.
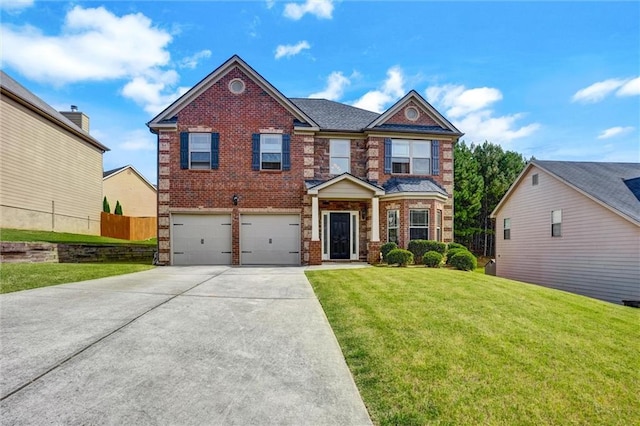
[(23, 276), (437, 346), (7, 234)]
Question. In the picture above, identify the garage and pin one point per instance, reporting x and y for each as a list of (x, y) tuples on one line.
[(269, 239), (201, 239)]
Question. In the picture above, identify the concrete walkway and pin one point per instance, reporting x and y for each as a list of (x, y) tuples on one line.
[(174, 345)]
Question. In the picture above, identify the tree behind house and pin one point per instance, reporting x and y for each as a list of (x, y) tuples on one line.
[(118, 209), (105, 205)]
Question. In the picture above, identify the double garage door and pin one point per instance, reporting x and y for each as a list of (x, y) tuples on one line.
[(207, 239)]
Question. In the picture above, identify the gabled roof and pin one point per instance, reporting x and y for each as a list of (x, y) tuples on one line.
[(331, 115), (19, 93), (169, 113), (445, 125), (313, 186), (113, 172), (608, 184)]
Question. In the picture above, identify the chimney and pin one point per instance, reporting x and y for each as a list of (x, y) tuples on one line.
[(78, 118)]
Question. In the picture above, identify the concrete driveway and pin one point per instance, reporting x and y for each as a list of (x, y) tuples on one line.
[(174, 345)]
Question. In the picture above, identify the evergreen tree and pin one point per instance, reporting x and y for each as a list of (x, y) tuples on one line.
[(118, 209), (105, 205)]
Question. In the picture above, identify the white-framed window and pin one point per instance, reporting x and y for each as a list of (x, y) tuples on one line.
[(199, 150), (556, 223), (418, 224), (270, 152), (339, 156), (438, 225), (411, 157), (506, 228), (393, 223), (534, 179)]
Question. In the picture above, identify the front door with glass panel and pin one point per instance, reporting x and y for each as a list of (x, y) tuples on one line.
[(339, 231)]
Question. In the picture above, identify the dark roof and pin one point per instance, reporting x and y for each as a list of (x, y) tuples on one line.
[(634, 186), (606, 182), (112, 171), (396, 185), (413, 128), (330, 115), (10, 85)]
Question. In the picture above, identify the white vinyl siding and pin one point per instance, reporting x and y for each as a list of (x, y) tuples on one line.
[(556, 223), (340, 156), (506, 234), (598, 261), (49, 179)]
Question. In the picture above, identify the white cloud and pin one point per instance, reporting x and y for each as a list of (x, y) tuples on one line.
[(15, 5), (286, 50), (600, 90), (469, 111), (460, 101), (138, 140), (192, 61), (391, 90), (336, 82), (320, 8), (630, 88), (94, 45), (615, 131)]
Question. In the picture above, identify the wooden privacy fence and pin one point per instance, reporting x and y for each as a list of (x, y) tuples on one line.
[(128, 227)]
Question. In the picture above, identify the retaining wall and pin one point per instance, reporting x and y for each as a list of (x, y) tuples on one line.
[(74, 253)]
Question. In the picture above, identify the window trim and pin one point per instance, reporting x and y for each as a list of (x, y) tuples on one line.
[(412, 226), (332, 156), (535, 179), (191, 151), (556, 223), (439, 225), (396, 213), (411, 143), (263, 136), (506, 228)]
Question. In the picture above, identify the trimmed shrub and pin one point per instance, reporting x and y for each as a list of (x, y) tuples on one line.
[(386, 248), (436, 246), (456, 246), (118, 209), (464, 260), (105, 205), (452, 252), (418, 248), (400, 256), (432, 259)]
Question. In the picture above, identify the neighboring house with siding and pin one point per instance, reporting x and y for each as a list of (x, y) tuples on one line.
[(574, 226), (138, 197), (50, 167), (249, 176)]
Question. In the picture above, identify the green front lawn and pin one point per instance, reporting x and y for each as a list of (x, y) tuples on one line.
[(437, 346), (24, 276), (22, 235)]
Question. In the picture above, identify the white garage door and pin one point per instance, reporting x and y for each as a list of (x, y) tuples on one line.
[(201, 239), (270, 240)]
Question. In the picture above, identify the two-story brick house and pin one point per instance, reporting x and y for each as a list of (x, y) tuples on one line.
[(249, 176)]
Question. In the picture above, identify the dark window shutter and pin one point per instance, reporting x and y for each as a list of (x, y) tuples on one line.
[(255, 157), (184, 150), (215, 150), (286, 155), (387, 156), (435, 157)]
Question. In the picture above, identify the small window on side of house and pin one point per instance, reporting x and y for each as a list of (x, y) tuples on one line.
[(556, 223), (199, 151), (393, 222), (438, 225), (506, 228), (271, 152), (534, 179)]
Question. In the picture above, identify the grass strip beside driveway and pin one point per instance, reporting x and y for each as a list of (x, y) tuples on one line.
[(24, 276), (436, 346)]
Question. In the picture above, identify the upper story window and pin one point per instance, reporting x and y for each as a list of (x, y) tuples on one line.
[(271, 151), (534, 179), (340, 156), (199, 151), (393, 221), (418, 224), (416, 157), (506, 228), (556, 223)]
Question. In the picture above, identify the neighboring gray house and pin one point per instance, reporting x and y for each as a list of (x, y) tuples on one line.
[(573, 226)]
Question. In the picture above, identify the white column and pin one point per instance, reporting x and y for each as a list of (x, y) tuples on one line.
[(375, 220), (315, 229)]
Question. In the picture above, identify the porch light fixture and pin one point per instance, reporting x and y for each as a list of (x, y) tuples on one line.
[(235, 199), (363, 214)]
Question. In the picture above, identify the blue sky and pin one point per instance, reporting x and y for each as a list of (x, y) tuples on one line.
[(554, 80)]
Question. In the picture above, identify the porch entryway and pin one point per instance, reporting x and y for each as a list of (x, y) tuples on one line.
[(340, 235)]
